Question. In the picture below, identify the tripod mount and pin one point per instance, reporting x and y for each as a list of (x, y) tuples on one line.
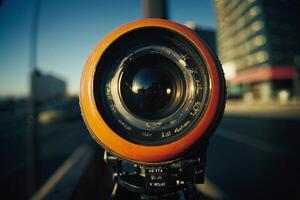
[(174, 180)]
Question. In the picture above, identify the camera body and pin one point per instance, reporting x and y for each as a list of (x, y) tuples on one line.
[(152, 93)]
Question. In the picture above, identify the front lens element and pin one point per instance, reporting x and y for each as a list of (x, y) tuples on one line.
[(148, 86)]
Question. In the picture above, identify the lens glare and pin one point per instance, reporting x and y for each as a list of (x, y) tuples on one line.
[(147, 87), (151, 89)]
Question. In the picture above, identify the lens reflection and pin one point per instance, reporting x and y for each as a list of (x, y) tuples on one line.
[(148, 87)]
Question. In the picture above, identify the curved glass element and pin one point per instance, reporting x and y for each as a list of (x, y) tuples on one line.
[(148, 86)]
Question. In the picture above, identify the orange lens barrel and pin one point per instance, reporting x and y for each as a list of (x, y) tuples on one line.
[(102, 132)]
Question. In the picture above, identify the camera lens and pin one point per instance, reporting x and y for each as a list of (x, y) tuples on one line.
[(151, 91), (150, 86), (154, 92)]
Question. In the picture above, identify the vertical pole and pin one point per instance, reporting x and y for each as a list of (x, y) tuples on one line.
[(31, 137), (155, 9)]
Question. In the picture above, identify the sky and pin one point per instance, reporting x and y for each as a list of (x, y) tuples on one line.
[(68, 32)]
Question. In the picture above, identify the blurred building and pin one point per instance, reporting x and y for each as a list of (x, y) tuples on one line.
[(48, 87), (258, 45), (208, 35)]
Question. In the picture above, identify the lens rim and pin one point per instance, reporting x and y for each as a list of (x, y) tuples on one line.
[(178, 127), (134, 120), (152, 155)]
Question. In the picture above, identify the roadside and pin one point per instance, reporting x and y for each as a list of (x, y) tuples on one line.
[(273, 109)]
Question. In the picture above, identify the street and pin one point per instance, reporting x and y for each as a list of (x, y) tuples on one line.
[(56, 142), (256, 158), (248, 157)]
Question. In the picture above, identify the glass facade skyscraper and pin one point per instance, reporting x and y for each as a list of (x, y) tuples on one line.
[(258, 45)]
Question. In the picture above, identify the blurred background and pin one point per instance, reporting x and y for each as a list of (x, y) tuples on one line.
[(45, 149)]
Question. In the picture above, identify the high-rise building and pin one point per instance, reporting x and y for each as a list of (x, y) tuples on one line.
[(258, 45)]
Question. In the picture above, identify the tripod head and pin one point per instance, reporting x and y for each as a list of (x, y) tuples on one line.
[(162, 180)]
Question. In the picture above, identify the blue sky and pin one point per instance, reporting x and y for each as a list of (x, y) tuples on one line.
[(68, 31)]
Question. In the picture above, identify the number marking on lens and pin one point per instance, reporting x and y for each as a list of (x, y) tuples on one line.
[(147, 134), (166, 134), (125, 125), (108, 92), (196, 108), (199, 86), (181, 127), (113, 108)]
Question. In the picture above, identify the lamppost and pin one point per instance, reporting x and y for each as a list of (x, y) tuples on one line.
[(31, 137)]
